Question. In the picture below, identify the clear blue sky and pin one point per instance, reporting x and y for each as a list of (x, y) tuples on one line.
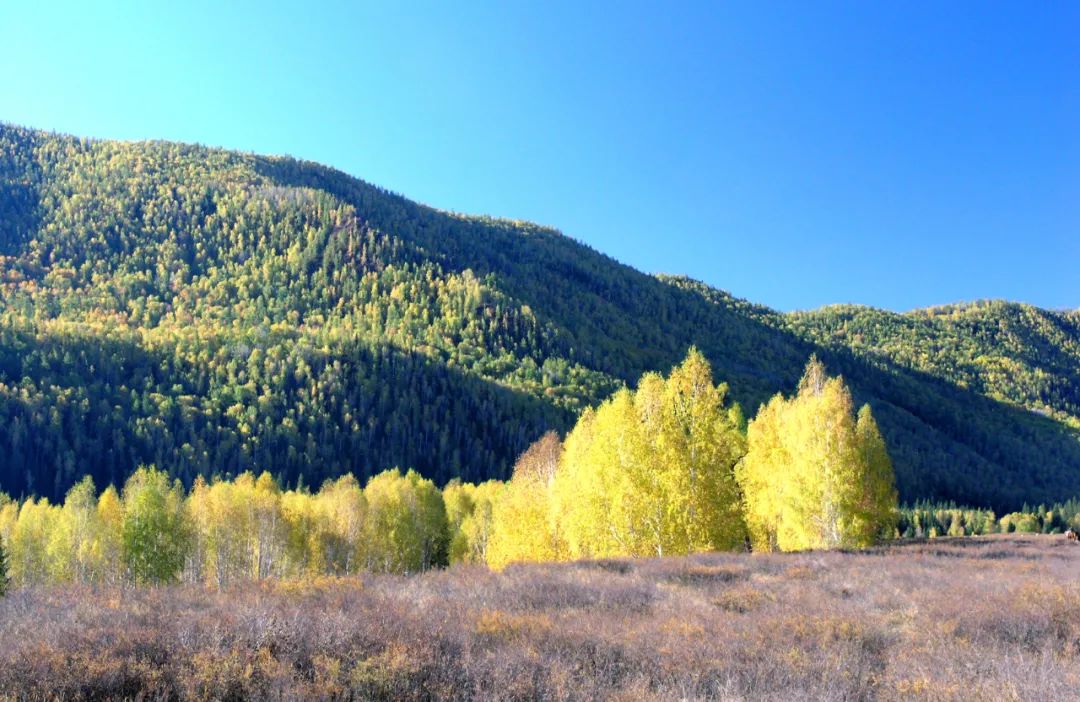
[(797, 154)]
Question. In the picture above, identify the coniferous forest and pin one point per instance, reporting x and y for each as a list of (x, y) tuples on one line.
[(269, 391), (539, 352), (212, 313)]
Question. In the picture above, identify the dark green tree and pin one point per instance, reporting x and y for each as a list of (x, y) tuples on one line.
[(4, 580)]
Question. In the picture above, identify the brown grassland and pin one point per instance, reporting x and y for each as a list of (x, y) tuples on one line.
[(987, 618)]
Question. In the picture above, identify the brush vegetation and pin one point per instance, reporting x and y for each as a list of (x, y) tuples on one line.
[(989, 618)]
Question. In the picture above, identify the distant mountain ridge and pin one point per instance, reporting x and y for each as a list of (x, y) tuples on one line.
[(212, 312)]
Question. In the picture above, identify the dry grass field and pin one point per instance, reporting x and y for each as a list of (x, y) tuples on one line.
[(984, 618)]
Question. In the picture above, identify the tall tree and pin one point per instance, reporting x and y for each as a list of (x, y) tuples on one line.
[(5, 581), (406, 530), (110, 512), (522, 527), (33, 546), (156, 531), (815, 476), (470, 517), (651, 472), (341, 511), (84, 532)]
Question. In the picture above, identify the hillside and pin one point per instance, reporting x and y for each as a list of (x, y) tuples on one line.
[(1011, 352), (211, 311)]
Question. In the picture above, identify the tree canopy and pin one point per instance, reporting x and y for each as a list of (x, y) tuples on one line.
[(211, 313), (816, 475)]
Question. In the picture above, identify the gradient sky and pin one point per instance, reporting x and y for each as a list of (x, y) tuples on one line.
[(797, 154)]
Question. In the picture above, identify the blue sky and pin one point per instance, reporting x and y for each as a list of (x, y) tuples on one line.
[(797, 154)]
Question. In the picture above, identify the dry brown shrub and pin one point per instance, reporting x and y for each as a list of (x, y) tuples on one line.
[(503, 626), (953, 619), (742, 599)]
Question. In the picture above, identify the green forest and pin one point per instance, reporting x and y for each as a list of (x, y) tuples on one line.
[(669, 469), (215, 314)]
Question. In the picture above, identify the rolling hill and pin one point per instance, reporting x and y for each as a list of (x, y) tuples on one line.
[(211, 311)]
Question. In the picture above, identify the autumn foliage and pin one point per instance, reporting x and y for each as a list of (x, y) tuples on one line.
[(666, 469)]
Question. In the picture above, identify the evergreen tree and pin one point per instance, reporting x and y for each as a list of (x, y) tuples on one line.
[(5, 581), (211, 312)]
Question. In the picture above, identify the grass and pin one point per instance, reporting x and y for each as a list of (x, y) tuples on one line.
[(989, 618)]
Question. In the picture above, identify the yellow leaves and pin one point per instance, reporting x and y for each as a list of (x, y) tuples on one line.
[(521, 528), (814, 476), (406, 529), (646, 473), (651, 472), (30, 542), (470, 516), (240, 528)]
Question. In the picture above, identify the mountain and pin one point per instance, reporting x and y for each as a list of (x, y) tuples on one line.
[(1014, 353), (211, 311)]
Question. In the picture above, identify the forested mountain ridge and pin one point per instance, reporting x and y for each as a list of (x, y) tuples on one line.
[(211, 312), (1011, 352)]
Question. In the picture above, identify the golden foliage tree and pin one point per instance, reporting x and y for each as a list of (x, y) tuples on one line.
[(521, 522), (470, 515), (815, 475), (110, 512), (406, 529), (651, 472)]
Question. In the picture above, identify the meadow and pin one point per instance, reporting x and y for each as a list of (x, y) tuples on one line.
[(989, 617)]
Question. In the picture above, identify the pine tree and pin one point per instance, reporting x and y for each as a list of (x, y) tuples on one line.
[(4, 580)]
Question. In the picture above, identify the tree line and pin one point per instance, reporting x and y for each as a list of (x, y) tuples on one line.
[(671, 469), (929, 520), (668, 469), (225, 530)]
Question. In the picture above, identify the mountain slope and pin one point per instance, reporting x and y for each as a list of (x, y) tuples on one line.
[(1011, 352), (211, 311)]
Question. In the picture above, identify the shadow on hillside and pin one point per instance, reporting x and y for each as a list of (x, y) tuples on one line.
[(948, 443), (20, 214), (103, 406)]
